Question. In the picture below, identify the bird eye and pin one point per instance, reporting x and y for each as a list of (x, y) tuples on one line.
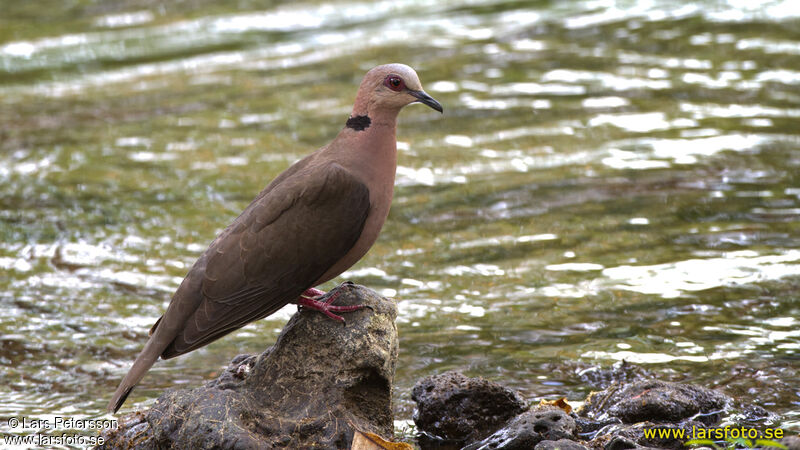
[(394, 83)]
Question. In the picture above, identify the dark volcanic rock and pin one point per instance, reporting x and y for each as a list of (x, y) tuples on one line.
[(318, 382), (637, 435), (621, 372), (623, 443), (561, 444), (651, 404), (640, 415), (529, 429), (656, 401), (659, 441), (458, 410)]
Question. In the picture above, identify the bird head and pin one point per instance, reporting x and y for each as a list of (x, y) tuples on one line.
[(393, 86)]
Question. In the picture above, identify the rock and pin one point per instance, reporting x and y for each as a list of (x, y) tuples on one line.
[(586, 426), (650, 404), (561, 444), (621, 372), (656, 401), (528, 429), (456, 409), (747, 414), (620, 417), (623, 443), (637, 435), (311, 389), (660, 441), (791, 442)]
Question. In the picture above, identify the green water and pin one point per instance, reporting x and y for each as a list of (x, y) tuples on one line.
[(610, 180)]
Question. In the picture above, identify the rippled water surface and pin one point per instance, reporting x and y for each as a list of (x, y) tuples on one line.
[(610, 180)]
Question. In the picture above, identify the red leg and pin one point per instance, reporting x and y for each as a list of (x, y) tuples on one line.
[(311, 299), (312, 293)]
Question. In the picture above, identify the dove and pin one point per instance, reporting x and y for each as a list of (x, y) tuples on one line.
[(311, 223)]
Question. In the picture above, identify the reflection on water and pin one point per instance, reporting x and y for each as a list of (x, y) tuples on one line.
[(732, 268), (612, 181)]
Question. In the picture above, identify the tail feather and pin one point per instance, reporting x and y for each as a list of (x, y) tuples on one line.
[(152, 350), (116, 403)]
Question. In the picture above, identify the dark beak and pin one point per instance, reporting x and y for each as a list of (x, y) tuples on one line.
[(426, 99)]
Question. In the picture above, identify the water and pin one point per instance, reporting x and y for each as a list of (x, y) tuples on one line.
[(610, 180)]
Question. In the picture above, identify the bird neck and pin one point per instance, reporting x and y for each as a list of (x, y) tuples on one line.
[(367, 145), (372, 134), (366, 113)]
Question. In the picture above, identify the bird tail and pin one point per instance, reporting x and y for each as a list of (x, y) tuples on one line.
[(152, 350)]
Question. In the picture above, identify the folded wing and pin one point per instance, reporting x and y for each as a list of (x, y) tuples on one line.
[(277, 248)]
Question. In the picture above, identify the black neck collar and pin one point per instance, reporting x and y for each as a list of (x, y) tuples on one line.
[(358, 123)]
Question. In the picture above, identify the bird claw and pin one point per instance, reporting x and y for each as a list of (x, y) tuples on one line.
[(317, 300)]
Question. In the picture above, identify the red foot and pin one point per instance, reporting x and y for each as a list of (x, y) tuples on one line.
[(311, 299), (312, 293)]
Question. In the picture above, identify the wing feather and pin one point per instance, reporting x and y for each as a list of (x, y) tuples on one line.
[(276, 249)]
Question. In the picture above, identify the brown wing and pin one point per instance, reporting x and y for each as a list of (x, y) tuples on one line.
[(276, 249)]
